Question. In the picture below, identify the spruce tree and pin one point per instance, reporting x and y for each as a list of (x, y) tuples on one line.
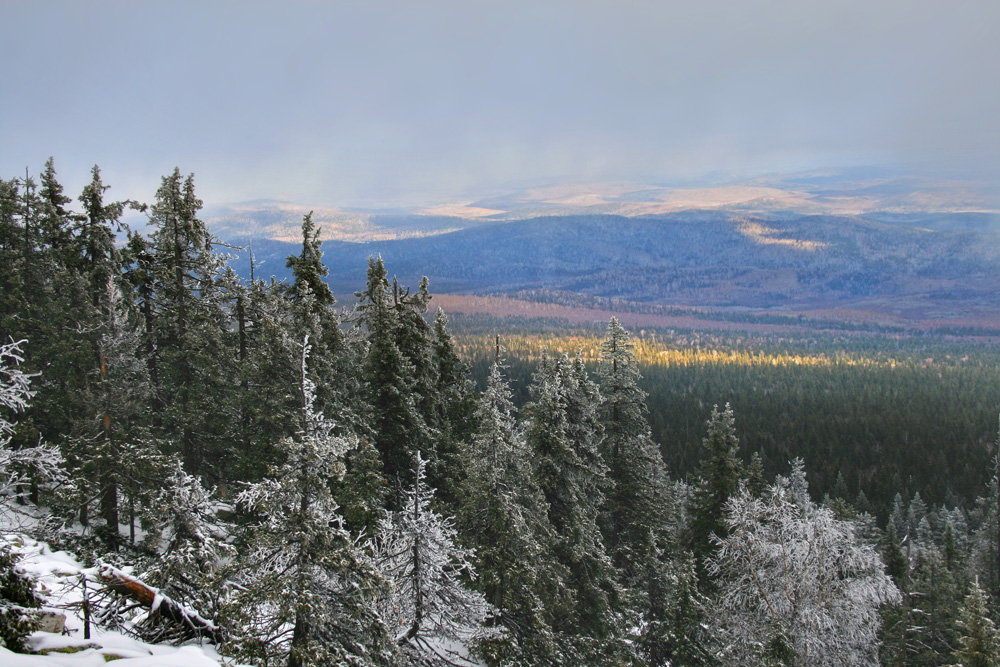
[(190, 325), (936, 594), (96, 254), (54, 220), (10, 256), (638, 480), (563, 433), (454, 413), (53, 309), (313, 313), (116, 388), (117, 402), (266, 408), (308, 269), (362, 492), (756, 481), (306, 590), (676, 620), (978, 635), (397, 427), (503, 516), (418, 550), (895, 562), (717, 479), (414, 338)]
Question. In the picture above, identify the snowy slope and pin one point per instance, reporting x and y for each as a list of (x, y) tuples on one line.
[(58, 575)]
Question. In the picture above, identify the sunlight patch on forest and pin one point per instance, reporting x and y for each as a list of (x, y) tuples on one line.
[(765, 236), (653, 352)]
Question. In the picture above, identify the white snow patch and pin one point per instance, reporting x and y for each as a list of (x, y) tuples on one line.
[(58, 575)]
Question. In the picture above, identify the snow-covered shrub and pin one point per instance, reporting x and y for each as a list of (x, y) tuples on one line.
[(19, 467), (17, 596)]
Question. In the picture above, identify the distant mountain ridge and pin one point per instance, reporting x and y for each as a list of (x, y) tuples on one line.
[(863, 192), (916, 265)]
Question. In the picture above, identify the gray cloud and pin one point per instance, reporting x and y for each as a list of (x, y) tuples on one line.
[(406, 102)]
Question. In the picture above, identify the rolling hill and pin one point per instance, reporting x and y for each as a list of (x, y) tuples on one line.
[(909, 266)]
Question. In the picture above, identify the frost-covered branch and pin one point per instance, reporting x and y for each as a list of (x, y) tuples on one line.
[(790, 571)]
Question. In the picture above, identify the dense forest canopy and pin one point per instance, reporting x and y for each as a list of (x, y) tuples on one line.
[(308, 482), (887, 414)]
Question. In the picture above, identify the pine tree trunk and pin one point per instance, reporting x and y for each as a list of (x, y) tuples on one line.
[(145, 292), (299, 634), (109, 505), (418, 593), (134, 589), (85, 505), (109, 480)]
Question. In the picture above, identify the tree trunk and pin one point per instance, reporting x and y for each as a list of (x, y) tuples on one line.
[(134, 589), (85, 505), (109, 479), (109, 504), (299, 633)]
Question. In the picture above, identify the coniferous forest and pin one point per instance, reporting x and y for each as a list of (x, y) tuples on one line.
[(303, 478)]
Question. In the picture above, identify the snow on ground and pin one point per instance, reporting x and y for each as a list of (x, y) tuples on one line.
[(58, 575), (184, 656)]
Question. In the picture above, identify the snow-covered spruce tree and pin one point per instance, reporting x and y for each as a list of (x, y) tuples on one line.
[(503, 514), (454, 412), (638, 499), (978, 646), (305, 590), (397, 427), (718, 478), (188, 326), (429, 602), (118, 386), (794, 580), (675, 630), (563, 434), (116, 398)]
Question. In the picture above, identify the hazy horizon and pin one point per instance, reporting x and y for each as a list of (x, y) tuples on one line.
[(395, 104)]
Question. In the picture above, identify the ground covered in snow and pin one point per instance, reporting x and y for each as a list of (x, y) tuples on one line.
[(59, 576)]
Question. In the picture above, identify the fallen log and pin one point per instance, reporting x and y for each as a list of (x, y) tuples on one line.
[(159, 605)]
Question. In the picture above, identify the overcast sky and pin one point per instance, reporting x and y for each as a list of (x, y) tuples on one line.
[(414, 102)]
